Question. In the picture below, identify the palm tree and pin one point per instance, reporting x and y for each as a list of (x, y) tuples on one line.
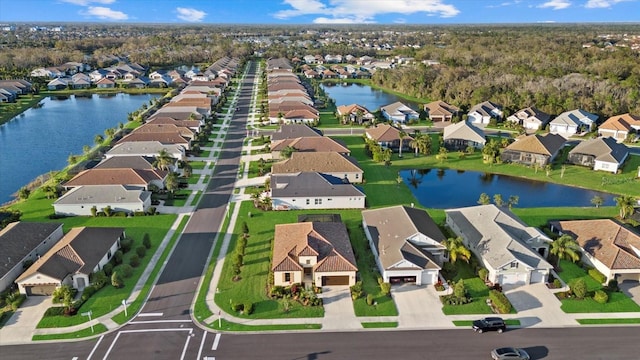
[(421, 143), (513, 200), (597, 201), (626, 204), (164, 161), (484, 199), (171, 182), (456, 249), (187, 169), (402, 135), (565, 248), (98, 139)]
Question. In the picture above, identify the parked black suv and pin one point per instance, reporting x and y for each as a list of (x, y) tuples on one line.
[(489, 324)]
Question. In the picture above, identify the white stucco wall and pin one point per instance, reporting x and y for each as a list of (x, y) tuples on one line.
[(334, 203), (85, 209)]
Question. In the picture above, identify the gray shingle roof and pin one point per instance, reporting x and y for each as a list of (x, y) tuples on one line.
[(18, 239), (603, 149), (310, 184), (465, 131)]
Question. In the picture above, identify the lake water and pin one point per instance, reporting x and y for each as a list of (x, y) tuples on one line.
[(372, 99), (41, 139), (446, 189)]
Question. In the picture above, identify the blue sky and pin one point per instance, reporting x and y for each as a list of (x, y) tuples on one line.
[(319, 11)]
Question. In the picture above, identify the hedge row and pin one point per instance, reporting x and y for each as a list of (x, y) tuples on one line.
[(500, 301)]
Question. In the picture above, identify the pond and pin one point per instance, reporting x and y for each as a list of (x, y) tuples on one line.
[(446, 189), (372, 99), (42, 138)]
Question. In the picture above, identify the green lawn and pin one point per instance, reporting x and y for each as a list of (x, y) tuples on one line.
[(97, 329), (379, 325), (197, 165), (254, 170), (231, 326), (193, 179), (476, 289), (196, 198), (511, 322), (108, 298), (618, 301), (10, 110), (608, 321)]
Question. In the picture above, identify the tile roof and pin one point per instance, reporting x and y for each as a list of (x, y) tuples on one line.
[(323, 162), (329, 241), (163, 137), (398, 109), (352, 109), (440, 108), (314, 143), (152, 127), (79, 251), (144, 147), (603, 149), (385, 133), (622, 122), (311, 184), (19, 239), (530, 114), (391, 229), (614, 245), (125, 176), (547, 144), (292, 131), (123, 162)]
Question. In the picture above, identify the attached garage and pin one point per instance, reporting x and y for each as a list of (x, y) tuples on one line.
[(513, 278), (402, 279), (44, 290), (538, 276), (335, 280)]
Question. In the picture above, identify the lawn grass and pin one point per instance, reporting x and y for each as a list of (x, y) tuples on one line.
[(476, 289), (135, 306), (608, 321), (511, 322), (618, 301), (254, 170), (109, 298), (97, 329), (10, 110), (179, 197), (197, 165), (196, 198), (193, 179), (205, 153), (231, 326), (380, 324)]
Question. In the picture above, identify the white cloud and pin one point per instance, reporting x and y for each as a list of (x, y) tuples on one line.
[(105, 13), (190, 14), (87, 2), (556, 4), (363, 11), (598, 4)]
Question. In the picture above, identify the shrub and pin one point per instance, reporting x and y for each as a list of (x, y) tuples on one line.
[(454, 300), (237, 259), (15, 304), (557, 283), (125, 270), (459, 290), (54, 311), (613, 285), (146, 241), (579, 288), (116, 280), (58, 294), (439, 286), (242, 244), (385, 288), (88, 292), (99, 279), (237, 307), (597, 275), (483, 273), (134, 260), (126, 244), (141, 251), (245, 227), (369, 299), (277, 291), (117, 257), (247, 308), (500, 301), (601, 297), (356, 290), (380, 280)]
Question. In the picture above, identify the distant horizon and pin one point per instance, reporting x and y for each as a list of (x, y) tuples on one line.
[(321, 12)]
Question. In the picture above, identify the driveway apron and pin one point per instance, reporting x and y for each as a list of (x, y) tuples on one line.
[(419, 307), (338, 309), (21, 326), (537, 306)]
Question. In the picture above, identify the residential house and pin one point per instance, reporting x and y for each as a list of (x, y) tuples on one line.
[(312, 190), (80, 81), (612, 248), (120, 198), (152, 127), (399, 113), (573, 122), (162, 137), (140, 178), (58, 83), (81, 252), (460, 136), (22, 243), (292, 131), (620, 126), (313, 253), (483, 113), (440, 111), (328, 163), (512, 252), (308, 144), (600, 154), (146, 148), (355, 113), (387, 136), (133, 162), (194, 125), (530, 118), (406, 243), (105, 83), (533, 149)]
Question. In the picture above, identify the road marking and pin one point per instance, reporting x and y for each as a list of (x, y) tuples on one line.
[(204, 336), (139, 331), (74, 358), (215, 342), (95, 347), (184, 350), (159, 321), (149, 314)]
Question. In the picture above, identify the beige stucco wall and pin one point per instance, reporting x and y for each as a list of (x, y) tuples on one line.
[(290, 203), (278, 278)]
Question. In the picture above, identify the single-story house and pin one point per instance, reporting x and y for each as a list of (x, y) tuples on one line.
[(607, 245), (533, 149), (292, 131), (388, 136), (71, 260), (399, 112), (309, 253), (573, 122), (58, 83), (461, 135), (620, 126), (121, 198), (146, 148), (312, 190), (483, 113), (22, 243), (406, 243), (309, 144), (329, 163), (355, 113), (603, 153), (105, 83), (173, 137), (512, 252), (440, 111), (140, 178), (530, 118)]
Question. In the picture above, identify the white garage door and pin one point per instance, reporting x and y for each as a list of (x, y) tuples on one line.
[(512, 279), (537, 277)]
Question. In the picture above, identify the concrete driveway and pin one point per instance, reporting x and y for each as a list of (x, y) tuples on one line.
[(338, 309), (419, 307), (537, 306), (631, 289), (21, 326)]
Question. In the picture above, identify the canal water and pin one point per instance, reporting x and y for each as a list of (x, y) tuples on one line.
[(364, 95), (41, 139), (446, 189)]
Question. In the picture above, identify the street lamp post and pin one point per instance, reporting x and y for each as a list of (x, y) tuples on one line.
[(124, 303), (88, 313)]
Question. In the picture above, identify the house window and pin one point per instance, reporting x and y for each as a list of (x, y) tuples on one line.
[(318, 201), (514, 265), (308, 262), (287, 277), (308, 202), (357, 176), (109, 255)]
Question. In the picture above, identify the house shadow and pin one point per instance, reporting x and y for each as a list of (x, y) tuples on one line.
[(527, 322), (522, 300)]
